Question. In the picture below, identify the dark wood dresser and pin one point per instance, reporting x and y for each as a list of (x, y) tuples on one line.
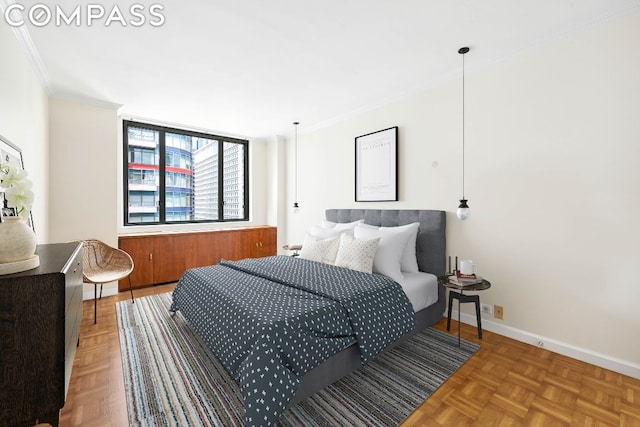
[(40, 315)]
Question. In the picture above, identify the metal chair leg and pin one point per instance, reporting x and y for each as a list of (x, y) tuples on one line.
[(131, 290), (95, 303), (101, 290)]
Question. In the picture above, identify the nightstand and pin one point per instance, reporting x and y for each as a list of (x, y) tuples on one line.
[(458, 292)]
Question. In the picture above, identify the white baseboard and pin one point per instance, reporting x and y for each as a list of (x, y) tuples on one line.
[(618, 365)]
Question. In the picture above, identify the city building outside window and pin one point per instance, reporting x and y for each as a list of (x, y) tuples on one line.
[(179, 176)]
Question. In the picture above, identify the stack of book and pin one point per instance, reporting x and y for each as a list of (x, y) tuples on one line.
[(464, 279)]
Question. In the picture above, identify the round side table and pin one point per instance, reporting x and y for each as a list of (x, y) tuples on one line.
[(457, 292)]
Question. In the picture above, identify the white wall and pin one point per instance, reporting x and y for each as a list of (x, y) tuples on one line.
[(23, 120), (83, 166), (277, 187), (259, 184), (83, 171), (552, 178)]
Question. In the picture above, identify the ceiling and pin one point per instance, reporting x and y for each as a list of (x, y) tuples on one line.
[(252, 67)]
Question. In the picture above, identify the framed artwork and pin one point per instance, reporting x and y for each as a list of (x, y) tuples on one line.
[(377, 166), (10, 153)]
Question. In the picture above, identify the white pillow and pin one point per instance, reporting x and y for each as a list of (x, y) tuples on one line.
[(340, 225), (348, 225), (356, 254), (390, 248), (409, 261), (365, 225), (320, 250), (324, 233), (327, 224)]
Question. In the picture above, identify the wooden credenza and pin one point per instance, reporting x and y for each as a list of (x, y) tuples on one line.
[(40, 316), (162, 258)]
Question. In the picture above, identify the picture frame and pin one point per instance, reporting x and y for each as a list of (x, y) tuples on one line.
[(376, 166), (13, 154), (8, 212)]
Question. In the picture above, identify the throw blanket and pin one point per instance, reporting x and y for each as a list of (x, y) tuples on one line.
[(271, 320)]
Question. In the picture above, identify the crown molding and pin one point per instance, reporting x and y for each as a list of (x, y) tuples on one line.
[(25, 40), (61, 95), (124, 115)]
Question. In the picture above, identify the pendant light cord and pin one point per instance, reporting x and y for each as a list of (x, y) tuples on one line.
[(462, 51), (463, 125), (296, 162)]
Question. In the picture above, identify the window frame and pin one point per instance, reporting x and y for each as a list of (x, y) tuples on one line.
[(162, 191)]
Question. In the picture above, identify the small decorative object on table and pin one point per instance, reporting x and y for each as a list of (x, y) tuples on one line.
[(18, 243), (294, 248), (464, 276), (465, 279)]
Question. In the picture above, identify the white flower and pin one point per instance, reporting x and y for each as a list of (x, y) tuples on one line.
[(17, 188), (13, 175)]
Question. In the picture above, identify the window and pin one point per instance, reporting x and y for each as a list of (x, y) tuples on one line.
[(201, 178)]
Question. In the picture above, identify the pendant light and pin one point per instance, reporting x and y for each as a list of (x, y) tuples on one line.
[(463, 211), (296, 207)]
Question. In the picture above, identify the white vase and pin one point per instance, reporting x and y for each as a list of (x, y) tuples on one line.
[(17, 240)]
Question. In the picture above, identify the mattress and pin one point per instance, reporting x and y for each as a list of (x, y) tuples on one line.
[(421, 289)]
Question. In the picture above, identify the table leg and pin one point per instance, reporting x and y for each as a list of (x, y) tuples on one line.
[(459, 320), (449, 312), (478, 317)]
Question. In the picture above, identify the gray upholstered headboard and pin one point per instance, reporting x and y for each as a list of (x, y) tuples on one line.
[(431, 241)]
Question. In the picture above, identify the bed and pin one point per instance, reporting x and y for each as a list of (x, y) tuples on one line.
[(348, 317)]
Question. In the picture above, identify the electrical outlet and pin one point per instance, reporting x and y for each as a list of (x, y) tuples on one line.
[(497, 311), (486, 308)]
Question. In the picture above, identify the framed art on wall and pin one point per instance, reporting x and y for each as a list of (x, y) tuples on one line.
[(377, 166), (9, 153)]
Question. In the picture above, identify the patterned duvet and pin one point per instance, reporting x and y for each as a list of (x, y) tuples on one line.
[(271, 320)]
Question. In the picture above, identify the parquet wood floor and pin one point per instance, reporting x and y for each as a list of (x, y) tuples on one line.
[(506, 383)]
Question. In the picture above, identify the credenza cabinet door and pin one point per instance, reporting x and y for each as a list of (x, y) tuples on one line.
[(140, 248), (259, 243), (170, 258)]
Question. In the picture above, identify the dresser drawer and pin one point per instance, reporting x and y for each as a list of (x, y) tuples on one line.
[(73, 280), (40, 314)]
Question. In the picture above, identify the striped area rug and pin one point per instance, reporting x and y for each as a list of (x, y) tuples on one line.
[(173, 379)]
